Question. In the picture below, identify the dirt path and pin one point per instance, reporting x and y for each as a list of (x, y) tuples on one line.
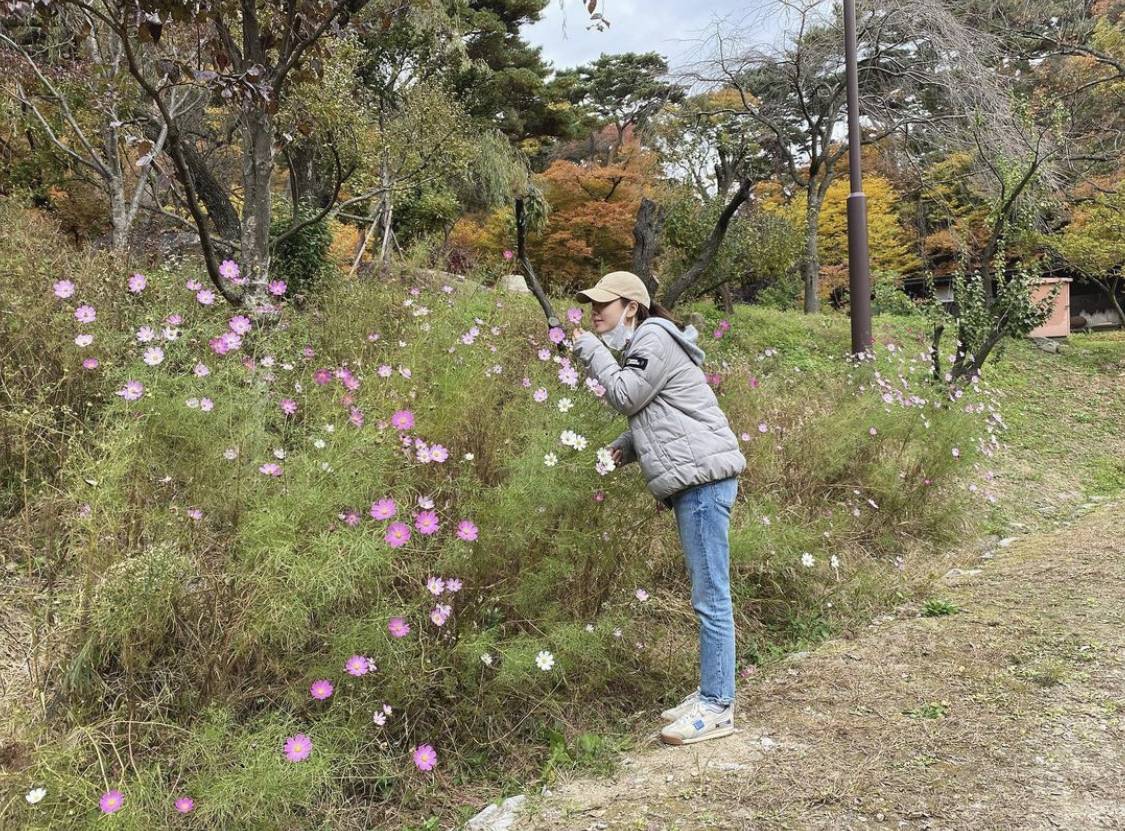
[(1007, 715)]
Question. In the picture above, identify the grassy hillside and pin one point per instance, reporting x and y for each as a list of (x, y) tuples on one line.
[(198, 536)]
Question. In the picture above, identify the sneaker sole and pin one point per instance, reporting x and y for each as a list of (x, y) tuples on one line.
[(714, 734)]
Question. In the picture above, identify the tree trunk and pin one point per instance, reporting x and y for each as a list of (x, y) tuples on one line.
[(810, 265), (257, 171), (310, 185), (646, 241)]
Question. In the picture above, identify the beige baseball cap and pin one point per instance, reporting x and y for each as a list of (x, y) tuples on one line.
[(617, 284)]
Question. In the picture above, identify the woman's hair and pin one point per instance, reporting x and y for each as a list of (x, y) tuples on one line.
[(656, 310)]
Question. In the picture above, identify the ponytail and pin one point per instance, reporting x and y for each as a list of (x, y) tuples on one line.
[(656, 310)]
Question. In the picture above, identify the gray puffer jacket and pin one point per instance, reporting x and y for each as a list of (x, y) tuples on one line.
[(676, 430)]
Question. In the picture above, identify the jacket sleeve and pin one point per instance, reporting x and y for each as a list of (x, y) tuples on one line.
[(624, 443), (631, 387)]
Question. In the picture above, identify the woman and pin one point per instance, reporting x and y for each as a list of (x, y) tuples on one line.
[(690, 460)]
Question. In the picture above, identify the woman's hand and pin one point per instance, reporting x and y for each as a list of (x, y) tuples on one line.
[(617, 456), (576, 333)]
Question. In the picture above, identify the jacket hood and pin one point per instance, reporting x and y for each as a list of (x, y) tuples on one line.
[(686, 338)]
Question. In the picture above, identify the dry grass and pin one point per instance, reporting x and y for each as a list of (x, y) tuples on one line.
[(1004, 715)]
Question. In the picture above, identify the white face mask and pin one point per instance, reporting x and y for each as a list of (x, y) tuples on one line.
[(619, 335)]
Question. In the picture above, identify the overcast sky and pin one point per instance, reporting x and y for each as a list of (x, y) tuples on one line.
[(671, 27)]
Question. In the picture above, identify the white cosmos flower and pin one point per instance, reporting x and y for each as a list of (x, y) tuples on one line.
[(807, 560), (550, 460), (35, 795), (544, 660), (565, 404)]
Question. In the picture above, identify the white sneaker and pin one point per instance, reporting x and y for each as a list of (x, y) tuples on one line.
[(699, 724), (673, 713)]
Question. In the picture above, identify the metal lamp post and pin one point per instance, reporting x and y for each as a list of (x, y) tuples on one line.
[(859, 271)]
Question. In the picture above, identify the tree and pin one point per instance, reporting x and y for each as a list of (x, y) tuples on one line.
[(242, 56), (79, 105), (793, 96), (622, 91), (1093, 243), (502, 82), (593, 207)]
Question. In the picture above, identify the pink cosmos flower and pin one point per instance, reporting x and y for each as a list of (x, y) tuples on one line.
[(467, 531), (508, 254), (599, 496), (383, 509), (174, 319), (403, 420), (288, 406), (137, 283), (239, 324), (385, 371), (435, 585), (195, 513), (350, 518), (321, 689), (440, 614), (83, 340), (185, 804), (568, 375), (556, 335), (438, 453), (231, 339), (132, 390), (154, 355), (277, 287), (544, 354), (427, 523), (145, 334), (205, 297), (206, 405), (398, 627), (453, 585), (218, 346), (111, 802), (86, 314), (540, 395), (763, 427), (228, 270), (398, 534), (193, 285), (356, 417), (641, 595), (308, 352), (380, 718), (753, 382), (270, 469), (63, 289), (90, 363), (358, 665), (298, 748), (574, 315), (425, 757)]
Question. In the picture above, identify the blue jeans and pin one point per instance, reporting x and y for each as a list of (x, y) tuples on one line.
[(703, 517)]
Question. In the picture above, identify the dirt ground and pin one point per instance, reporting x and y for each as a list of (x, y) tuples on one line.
[(1007, 714)]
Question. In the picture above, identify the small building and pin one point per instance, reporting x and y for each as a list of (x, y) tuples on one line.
[(1057, 324)]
